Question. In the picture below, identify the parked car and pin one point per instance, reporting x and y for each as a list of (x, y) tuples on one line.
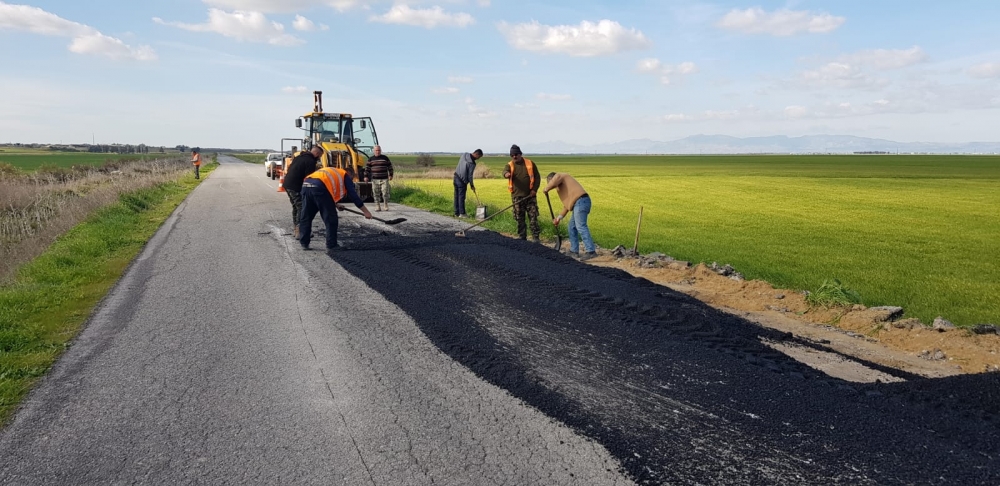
[(274, 160)]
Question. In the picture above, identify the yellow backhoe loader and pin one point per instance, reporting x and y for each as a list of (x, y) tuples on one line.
[(348, 142)]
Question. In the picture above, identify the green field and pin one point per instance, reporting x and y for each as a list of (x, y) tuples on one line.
[(33, 160), (251, 158), (921, 232)]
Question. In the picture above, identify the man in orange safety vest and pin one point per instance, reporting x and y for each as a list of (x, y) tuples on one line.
[(322, 192), (196, 160)]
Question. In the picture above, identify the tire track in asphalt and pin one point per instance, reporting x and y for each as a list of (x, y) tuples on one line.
[(674, 389)]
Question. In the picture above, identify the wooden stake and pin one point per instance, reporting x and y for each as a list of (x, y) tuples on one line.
[(635, 247)]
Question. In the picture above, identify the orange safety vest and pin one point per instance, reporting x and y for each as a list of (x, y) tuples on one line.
[(333, 179), (528, 164), (196, 159)]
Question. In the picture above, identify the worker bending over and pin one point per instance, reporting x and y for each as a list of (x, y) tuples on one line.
[(574, 198), (321, 192)]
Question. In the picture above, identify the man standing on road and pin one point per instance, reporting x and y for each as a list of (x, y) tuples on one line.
[(196, 160), (321, 192), (463, 179), (302, 165), (523, 182), (379, 172), (574, 198)]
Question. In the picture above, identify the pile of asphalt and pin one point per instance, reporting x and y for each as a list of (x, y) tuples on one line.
[(677, 391)]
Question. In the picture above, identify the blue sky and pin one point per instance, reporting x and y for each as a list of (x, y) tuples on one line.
[(453, 75)]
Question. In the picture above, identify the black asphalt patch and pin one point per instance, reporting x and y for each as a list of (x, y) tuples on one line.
[(676, 390)]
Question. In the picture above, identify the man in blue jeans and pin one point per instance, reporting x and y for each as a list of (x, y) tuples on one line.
[(574, 198), (463, 178)]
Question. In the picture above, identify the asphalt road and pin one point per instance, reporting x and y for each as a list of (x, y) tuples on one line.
[(227, 355), (414, 357)]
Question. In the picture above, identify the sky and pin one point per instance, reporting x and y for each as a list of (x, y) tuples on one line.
[(454, 75)]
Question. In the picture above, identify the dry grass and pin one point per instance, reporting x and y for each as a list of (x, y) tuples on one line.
[(36, 208), (482, 172)]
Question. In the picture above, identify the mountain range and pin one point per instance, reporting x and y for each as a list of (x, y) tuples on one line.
[(810, 144)]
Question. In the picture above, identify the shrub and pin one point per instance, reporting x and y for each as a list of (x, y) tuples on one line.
[(425, 160)]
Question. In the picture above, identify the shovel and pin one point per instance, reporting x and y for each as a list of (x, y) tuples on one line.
[(461, 234), (389, 222), (480, 209), (558, 244)]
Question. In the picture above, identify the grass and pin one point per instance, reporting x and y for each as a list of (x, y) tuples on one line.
[(53, 295), (32, 161), (920, 232)]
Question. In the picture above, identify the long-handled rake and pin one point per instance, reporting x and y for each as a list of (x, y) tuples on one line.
[(386, 221), (461, 234), (558, 244)]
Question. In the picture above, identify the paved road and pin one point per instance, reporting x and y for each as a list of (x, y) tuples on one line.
[(227, 355)]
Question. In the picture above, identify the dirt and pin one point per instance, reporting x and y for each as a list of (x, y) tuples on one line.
[(861, 332)]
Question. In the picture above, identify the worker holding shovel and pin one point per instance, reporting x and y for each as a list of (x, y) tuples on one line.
[(463, 179), (574, 198)]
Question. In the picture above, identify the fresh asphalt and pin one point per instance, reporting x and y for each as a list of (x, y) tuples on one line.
[(228, 355)]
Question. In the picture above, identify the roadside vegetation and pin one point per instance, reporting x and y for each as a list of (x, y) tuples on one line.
[(45, 299), (251, 158), (920, 232)]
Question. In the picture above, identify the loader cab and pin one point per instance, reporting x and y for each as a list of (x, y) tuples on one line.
[(359, 133)]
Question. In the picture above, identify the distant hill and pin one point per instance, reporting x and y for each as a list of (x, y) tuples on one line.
[(722, 144)]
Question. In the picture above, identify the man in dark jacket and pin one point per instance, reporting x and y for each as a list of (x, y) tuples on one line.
[(523, 181), (301, 166), (463, 179), (379, 172)]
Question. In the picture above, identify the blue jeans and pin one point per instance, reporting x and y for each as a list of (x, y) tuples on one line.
[(461, 189), (316, 199), (578, 229)]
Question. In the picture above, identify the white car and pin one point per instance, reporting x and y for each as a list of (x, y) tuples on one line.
[(273, 161)]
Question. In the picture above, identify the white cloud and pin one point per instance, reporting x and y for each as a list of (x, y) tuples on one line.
[(427, 18), (286, 6), (721, 115), (796, 111), (840, 75), (305, 25), (985, 70), (86, 39), (446, 90), (240, 25), (886, 59), (782, 22), (555, 97), (483, 3), (460, 79), (294, 89), (473, 108), (585, 40), (668, 73), (677, 117), (648, 65), (522, 106)]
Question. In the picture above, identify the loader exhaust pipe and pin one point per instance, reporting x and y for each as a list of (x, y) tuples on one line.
[(317, 102)]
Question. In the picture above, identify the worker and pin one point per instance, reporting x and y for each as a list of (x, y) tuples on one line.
[(196, 160), (523, 182), (574, 198), (302, 165), (321, 192), (463, 180), (379, 172)]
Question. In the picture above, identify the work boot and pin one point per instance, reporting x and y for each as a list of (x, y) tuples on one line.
[(295, 233), (386, 206), (378, 208), (535, 239), (587, 256)]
